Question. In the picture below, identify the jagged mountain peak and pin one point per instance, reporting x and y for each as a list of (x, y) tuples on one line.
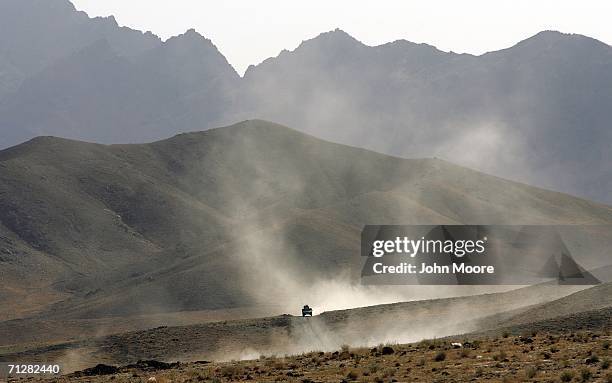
[(190, 39), (326, 46), (108, 19), (336, 38), (192, 53)]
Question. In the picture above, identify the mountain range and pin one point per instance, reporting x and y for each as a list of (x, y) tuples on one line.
[(537, 112)]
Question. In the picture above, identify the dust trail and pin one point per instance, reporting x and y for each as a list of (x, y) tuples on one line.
[(395, 324)]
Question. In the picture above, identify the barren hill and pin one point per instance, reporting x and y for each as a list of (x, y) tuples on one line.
[(592, 299), (531, 112)]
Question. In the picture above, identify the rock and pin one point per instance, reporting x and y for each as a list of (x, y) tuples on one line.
[(100, 369)]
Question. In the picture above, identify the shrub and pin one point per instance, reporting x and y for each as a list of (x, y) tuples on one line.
[(440, 356), (387, 350), (592, 359), (464, 353), (425, 343), (499, 356), (352, 375), (585, 374), (388, 372), (530, 372), (605, 364), (230, 370), (567, 376)]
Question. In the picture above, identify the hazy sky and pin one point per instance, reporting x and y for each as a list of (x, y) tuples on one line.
[(249, 31)]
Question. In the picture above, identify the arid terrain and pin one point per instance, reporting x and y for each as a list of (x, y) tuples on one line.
[(205, 246), (578, 356), (164, 218), (478, 317)]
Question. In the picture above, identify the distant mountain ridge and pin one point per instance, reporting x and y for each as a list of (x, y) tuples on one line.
[(532, 112), (537, 112), (35, 33)]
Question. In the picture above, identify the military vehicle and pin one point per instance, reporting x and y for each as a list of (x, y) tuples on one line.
[(306, 310)]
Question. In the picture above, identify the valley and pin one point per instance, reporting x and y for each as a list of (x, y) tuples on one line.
[(167, 218)]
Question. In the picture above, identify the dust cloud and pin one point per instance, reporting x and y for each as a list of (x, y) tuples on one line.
[(273, 268)]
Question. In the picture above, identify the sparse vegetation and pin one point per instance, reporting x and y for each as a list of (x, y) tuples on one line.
[(440, 356), (506, 362), (530, 372), (592, 359), (387, 350), (567, 376), (500, 356), (585, 374)]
